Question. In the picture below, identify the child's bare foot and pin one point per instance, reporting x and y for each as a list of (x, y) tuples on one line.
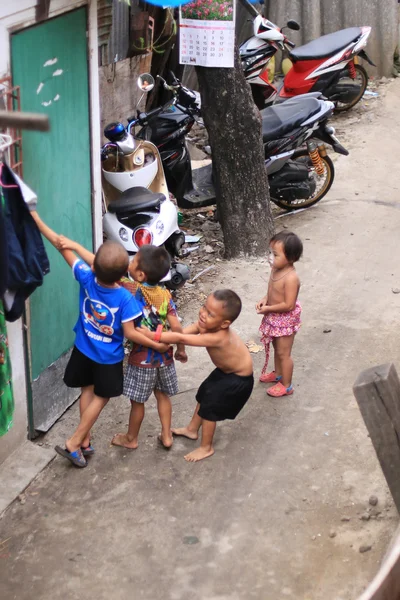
[(85, 442), (71, 446), (121, 439), (199, 454), (166, 440), (186, 432)]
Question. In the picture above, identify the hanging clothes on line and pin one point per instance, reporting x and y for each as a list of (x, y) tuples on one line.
[(24, 261)]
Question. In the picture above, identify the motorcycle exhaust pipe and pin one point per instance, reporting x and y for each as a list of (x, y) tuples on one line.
[(179, 275), (365, 56), (327, 134)]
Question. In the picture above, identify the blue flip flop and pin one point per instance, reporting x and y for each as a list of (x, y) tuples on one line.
[(76, 457)]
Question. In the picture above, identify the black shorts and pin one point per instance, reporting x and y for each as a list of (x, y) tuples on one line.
[(82, 371), (222, 395)]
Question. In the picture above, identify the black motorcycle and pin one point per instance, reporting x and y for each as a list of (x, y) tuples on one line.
[(295, 132), (167, 127)]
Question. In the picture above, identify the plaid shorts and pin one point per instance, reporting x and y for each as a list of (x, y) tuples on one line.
[(140, 382)]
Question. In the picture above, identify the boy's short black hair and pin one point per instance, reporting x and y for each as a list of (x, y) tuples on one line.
[(110, 262), (232, 303), (292, 244), (155, 263)]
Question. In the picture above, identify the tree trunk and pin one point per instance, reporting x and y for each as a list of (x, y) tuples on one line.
[(234, 128)]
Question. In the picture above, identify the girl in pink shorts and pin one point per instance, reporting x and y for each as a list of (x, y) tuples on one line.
[(281, 310)]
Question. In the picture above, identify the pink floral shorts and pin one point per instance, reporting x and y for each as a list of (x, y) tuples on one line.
[(276, 325)]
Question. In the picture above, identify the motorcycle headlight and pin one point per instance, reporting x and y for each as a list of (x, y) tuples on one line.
[(123, 234), (160, 227)]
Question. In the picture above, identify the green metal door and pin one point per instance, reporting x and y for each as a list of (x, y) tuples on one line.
[(50, 64)]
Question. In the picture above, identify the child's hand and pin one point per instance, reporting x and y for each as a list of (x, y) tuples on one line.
[(181, 356), (145, 331), (260, 304), (63, 243), (262, 310), (163, 348)]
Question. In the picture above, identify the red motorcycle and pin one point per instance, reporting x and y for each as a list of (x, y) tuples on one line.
[(328, 65)]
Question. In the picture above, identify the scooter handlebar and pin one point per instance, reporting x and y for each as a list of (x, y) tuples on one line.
[(143, 117)]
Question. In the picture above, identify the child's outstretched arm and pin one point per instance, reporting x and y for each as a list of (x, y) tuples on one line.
[(204, 340), (134, 334), (193, 328), (64, 243), (53, 238), (176, 327)]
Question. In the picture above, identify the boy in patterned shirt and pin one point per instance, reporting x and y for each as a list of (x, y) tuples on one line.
[(150, 371)]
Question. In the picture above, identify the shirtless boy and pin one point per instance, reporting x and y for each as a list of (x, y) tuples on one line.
[(226, 390)]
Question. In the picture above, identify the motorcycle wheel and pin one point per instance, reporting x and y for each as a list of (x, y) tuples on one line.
[(362, 78), (324, 182)]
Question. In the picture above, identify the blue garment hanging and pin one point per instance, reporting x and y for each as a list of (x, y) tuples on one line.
[(24, 261)]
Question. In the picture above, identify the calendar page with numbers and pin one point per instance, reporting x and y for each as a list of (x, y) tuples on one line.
[(207, 33)]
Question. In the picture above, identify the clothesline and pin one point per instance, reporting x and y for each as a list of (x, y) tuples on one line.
[(24, 120)]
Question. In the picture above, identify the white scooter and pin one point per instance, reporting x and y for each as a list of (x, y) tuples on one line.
[(137, 208)]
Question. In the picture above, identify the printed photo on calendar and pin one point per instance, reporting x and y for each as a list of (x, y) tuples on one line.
[(208, 10)]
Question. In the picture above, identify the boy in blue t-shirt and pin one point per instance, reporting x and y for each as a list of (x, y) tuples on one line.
[(106, 316), (148, 371)]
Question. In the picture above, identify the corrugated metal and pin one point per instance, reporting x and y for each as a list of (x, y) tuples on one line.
[(118, 44), (104, 23), (113, 30), (318, 17)]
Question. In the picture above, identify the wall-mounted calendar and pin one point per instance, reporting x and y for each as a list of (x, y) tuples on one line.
[(207, 33)]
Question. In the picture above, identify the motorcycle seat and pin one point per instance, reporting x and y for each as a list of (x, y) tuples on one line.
[(327, 45), (136, 199), (280, 119)]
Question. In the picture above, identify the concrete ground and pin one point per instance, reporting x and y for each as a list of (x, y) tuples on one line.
[(276, 512)]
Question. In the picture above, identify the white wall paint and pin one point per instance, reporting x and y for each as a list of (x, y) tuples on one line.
[(95, 125)]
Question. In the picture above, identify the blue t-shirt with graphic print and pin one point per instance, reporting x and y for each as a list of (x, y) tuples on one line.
[(102, 311)]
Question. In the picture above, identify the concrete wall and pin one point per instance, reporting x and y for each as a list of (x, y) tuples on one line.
[(119, 93), (318, 17)]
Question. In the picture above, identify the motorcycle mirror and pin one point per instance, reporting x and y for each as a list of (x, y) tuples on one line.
[(293, 25), (145, 82)]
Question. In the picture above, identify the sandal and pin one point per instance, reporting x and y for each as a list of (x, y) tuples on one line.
[(76, 457), (279, 390), (88, 451), (270, 377)]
